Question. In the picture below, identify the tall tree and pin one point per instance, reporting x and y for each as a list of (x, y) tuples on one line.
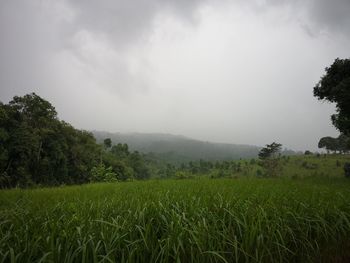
[(329, 143), (37, 148), (269, 157), (107, 143), (270, 151), (341, 144), (334, 87)]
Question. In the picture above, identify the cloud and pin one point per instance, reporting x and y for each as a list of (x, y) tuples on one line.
[(319, 16), (31, 32), (212, 69), (332, 15)]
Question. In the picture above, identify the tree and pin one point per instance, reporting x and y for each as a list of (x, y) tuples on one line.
[(270, 151), (341, 144), (329, 143), (269, 157), (120, 150), (107, 143), (37, 148), (334, 87), (137, 163), (101, 173)]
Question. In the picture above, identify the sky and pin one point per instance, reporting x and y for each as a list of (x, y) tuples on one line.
[(239, 71)]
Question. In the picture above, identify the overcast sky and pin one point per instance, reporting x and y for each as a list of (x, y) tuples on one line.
[(239, 71)]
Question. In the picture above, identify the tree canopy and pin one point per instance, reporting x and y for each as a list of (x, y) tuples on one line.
[(38, 148), (269, 157), (341, 144), (334, 87), (271, 150)]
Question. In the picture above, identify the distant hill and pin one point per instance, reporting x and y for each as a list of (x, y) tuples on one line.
[(176, 148)]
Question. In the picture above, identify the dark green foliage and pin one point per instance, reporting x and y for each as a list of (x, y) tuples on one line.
[(137, 162), (101, 173), (269, 157), (343, 143), (270, 151), (38, 148), (120, 150), (119, 165), (334, 86), (107, 143), (340, 144)]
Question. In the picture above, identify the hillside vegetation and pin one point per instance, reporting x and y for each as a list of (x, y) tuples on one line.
[(177, 149), (301, 216), (37, 148)]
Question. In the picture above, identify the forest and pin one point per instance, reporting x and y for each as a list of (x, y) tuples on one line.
[(39, 149)]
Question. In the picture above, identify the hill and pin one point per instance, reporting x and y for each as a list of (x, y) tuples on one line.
[(177, 148)]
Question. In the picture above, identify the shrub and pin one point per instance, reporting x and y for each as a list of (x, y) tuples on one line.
[(102, 174)]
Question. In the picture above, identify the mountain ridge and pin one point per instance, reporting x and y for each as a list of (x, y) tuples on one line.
[(179, 148)]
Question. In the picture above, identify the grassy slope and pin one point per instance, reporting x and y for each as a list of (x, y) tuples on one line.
[(244, 220)]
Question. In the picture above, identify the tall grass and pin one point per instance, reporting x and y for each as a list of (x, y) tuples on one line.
[(226, 220)]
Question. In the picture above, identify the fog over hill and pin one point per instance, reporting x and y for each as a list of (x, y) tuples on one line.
[(178, 148)]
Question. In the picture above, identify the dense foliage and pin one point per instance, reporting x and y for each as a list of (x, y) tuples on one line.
[(38, 148), (334, 86), (340, 144)]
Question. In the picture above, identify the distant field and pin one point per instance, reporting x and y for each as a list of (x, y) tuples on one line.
[(304, 216)]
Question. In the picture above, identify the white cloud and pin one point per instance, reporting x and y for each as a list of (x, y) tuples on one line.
[(230, 71)]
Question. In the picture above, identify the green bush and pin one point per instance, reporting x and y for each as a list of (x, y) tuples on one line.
[(102, 174)]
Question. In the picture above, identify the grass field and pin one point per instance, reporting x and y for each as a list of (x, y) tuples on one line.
[(303, 216)]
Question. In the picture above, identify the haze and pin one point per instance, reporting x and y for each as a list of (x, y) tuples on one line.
[(222, 71)]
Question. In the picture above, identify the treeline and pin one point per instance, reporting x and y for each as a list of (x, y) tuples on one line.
[(177, 149), (36, 148), (119, 164), (340, 144)]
